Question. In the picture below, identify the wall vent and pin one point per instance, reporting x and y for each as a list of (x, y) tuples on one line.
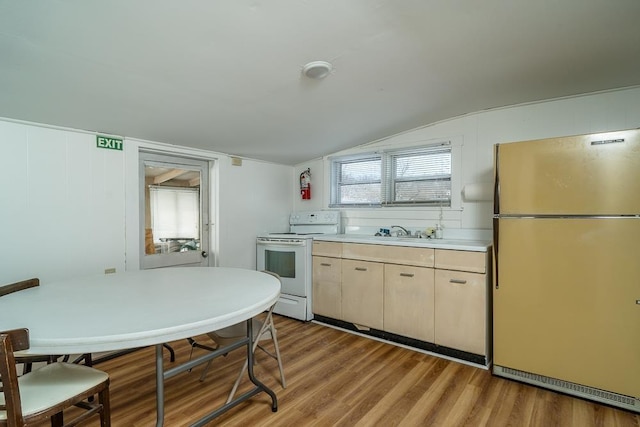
[(603, 396)]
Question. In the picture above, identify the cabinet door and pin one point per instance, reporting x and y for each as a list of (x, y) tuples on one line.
[(362, 292), (460, 311), (327, 293), (408, 301)]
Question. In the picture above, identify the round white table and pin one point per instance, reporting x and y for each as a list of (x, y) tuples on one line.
[(142, 308)]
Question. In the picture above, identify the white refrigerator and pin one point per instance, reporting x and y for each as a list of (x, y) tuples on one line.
[(566, 291)]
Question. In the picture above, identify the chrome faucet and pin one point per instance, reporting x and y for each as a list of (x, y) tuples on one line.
[(404, 231)]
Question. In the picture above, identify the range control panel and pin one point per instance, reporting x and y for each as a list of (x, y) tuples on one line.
[(314, 217)]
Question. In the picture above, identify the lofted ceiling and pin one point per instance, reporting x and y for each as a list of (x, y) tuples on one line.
[(225, 75)]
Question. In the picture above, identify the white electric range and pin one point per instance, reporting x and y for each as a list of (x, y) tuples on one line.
[(289, 255)]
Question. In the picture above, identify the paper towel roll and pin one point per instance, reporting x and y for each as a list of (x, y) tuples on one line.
[(478, 192)]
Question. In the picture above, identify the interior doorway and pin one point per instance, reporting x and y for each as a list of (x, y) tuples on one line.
[(174, 211)]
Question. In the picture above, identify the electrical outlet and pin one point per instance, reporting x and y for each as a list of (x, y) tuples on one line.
[(109, 270)]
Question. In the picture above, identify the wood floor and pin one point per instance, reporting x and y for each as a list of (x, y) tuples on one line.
[(339, 379)]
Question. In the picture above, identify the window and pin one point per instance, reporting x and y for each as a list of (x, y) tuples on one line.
[(417, 176), (357, 181), (175, 212)]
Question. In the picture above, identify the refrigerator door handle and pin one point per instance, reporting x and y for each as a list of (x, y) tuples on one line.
[(496, 181), (496, 236)]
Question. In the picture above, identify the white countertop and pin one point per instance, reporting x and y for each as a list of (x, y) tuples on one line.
[(453, 244)]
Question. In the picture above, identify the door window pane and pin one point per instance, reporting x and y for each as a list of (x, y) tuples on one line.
[(172, 222), (175, 216)]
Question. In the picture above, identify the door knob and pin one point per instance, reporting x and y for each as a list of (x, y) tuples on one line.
[(204, 254)]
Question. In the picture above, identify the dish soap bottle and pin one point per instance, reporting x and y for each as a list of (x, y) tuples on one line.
[(438, 231)]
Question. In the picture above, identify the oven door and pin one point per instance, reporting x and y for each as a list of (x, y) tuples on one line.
[(288, 259)]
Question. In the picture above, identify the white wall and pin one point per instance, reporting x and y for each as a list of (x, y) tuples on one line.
[(69, 208), (478, 132), (62, 204), (255, 198)]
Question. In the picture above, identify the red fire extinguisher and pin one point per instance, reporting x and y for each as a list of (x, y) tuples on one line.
[(305, 184)]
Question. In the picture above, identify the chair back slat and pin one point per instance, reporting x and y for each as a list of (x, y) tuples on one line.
[(19, 338), (8, 375), (19, 286)]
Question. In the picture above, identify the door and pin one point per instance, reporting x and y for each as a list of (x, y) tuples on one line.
[(567, 300), (595, 174), (363, 293), (408, 301), (174, 211), (327, 286)]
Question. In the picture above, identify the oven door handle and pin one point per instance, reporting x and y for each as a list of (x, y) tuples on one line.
[(279, 243)]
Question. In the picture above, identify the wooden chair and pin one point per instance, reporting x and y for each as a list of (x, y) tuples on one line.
[(262, 330), (26, 361), (46, 392), (19, 286)]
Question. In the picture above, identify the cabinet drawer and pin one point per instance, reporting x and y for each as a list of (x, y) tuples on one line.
[(475, 262), (420, 257), (330, 249)]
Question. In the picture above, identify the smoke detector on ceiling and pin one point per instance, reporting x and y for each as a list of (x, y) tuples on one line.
[(317, 70)]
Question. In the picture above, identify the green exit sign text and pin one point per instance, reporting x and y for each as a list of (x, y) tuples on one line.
[(109, 142)]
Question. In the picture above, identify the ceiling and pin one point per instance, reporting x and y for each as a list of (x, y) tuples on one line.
[(226, 75)]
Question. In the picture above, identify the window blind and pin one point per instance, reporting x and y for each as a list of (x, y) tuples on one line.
[(357, 181), (419, 176), (176, 212)]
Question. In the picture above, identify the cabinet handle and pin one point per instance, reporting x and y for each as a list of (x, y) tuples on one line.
[(361, 269), (406, 274), (324, 264), (460, 281)]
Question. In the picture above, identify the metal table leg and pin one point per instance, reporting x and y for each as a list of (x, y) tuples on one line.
[(161, 376), (248, 343), (159, 386)]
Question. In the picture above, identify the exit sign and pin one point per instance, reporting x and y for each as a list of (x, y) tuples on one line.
[(108, 142)]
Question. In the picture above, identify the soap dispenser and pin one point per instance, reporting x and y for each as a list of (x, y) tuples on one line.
[(438, 231)]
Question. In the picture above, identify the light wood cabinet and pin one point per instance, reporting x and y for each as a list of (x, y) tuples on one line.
[(460, 311), (461, 290), (362, 293), (327, 279), (327, 286), (475, 262), (436, 296), (387, 288), (328, 249), (421, 257), (409, 301)]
